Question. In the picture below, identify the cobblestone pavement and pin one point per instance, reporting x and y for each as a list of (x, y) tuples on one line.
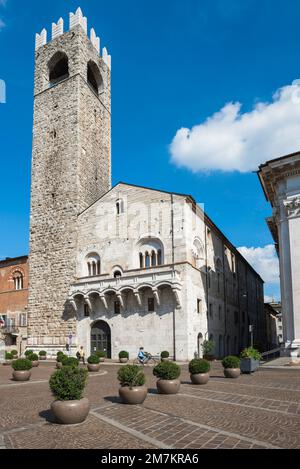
[(261, 410)]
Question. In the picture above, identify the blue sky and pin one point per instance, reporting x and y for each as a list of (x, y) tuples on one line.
[(174, 65)]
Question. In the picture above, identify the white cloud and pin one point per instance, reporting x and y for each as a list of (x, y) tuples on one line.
[(264, 260), (230, 140)]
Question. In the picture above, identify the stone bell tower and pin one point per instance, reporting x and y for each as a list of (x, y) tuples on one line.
[(71, 168)]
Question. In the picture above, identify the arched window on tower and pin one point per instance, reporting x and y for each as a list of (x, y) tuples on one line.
[(58, 68), (94, 77), (18, 280), (198, 256), (93, 264)]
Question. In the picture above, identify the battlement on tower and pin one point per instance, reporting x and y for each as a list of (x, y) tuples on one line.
[(75, 19)]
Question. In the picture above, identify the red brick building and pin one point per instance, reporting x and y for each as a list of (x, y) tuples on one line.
[(13, 302)]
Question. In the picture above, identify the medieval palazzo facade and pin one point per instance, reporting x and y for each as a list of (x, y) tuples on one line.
[(123, 267)]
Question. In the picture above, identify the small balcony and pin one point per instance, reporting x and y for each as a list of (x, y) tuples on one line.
[(135, 281)]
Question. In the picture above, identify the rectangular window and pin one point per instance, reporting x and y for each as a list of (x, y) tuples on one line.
[(86, 310), (117, 307), (199, 306), (151, 304), (220, 312), (210, 310)]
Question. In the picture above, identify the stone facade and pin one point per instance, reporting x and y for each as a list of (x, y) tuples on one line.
[(13, 303), (280, 179), (71, 168), (203, 289)]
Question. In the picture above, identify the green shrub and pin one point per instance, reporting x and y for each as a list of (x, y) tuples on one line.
[(198, 365), (59, 353), (251, 352), (28, 353), (14, 352), (43, 353), (231, 362), (167, 370), (22, 364), (131, 375), (8, 356), (164, 354), (100, 353), (69, 361), (33, 357), (60, 357), (123, 354), (68, 383), (208, 347), (93, 360)]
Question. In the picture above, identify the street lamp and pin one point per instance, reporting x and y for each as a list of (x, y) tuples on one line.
[(251, 328)]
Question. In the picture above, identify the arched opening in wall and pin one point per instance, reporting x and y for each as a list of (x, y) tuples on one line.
[(58, 68), (18, 280), (101, 338), (94, 77), (93, 265), (198, 257), (228, 345), (221, 351), (150, 253), (117, 274), (199, 345)]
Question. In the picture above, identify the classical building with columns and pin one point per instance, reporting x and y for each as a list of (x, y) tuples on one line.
[(116, 268), (280, 179)]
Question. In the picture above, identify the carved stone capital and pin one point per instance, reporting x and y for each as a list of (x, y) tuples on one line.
[(292, 206)]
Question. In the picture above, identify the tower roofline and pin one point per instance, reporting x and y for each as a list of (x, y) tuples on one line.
[(75, 19)]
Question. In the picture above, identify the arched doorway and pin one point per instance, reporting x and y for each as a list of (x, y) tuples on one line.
[(101, 337), (199, 345)]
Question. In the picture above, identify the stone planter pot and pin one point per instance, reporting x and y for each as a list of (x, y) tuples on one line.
[(58, 365), (165, 359), (35, 363), (249, 365), (7, 362), (21, 375), (93, 366), (232, 372), (102, 359), (200, 378), (168, 386), (42, 357), (123, 360), (71, 412), (134, 395)]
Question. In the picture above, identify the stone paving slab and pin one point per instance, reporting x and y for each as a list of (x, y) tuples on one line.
[(174, 432), (255, 411)]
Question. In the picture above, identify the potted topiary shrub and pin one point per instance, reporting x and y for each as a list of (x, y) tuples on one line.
[(208, 347), (14, 354), (101, 354), (8, 358), (69, 361), (250, 358), (59, 358), (199, 370), (42, 355), (34, 358), (67, 386), (28, 353), (123, 356), (168, 374), (132, 380), (21, 367), (231, 366), (93, 363), (164, 356)]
